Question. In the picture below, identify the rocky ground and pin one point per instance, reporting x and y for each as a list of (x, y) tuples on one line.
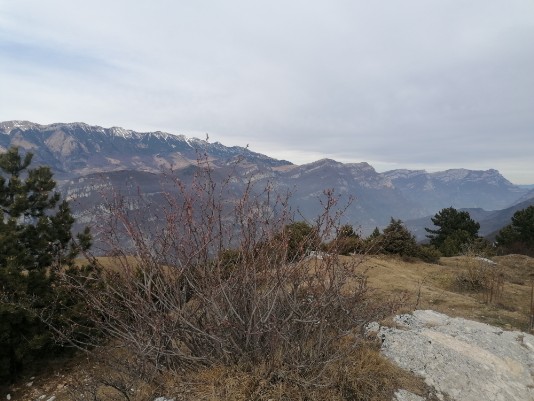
[(462, 360)]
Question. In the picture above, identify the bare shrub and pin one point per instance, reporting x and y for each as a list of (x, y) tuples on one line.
[(224, 282), (483, 276)]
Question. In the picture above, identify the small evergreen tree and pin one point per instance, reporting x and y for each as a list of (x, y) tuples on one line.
[(455, 230), (397, 239), (372, 243), (35, 242), (346, 231), (375, 234), (347, 241), (519, 235)]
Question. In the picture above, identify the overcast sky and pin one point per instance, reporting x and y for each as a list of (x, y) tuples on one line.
[(426, 84)]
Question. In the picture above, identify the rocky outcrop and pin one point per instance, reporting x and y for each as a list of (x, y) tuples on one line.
[(462, 359)]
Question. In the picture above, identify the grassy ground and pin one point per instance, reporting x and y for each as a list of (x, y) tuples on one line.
[(423, 285), (435, 287)]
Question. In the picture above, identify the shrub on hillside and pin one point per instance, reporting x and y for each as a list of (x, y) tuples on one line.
[(429, 254), (347, 242), (481, 275), (179, 299), (300, 238)]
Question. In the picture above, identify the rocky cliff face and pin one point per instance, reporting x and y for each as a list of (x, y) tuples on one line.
[(460, 188), (78, 149)]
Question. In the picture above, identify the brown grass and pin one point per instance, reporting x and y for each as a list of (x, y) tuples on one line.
[(363, 374), (431, 286)]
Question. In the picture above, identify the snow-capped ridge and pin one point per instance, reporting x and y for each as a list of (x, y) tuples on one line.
[(7, 126), (403, 173), (491, 176)]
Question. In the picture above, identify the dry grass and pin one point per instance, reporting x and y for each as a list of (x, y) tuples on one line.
[(363, 374), (431, 286)]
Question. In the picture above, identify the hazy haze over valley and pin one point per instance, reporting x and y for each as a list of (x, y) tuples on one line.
[(412, 85)]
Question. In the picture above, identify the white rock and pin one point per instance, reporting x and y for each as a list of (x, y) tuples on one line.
[(403, 395), (372, 327), (486, 260), (467, 360)]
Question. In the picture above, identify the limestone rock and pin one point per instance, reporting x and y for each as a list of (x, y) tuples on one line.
[(463, 359)]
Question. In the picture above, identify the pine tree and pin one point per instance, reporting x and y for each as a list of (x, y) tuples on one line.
[(375, 233), (518, 236), (301, 238), (397, 239), (455, 230), (35, 243)]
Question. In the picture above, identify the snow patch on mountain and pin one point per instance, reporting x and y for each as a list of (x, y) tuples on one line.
[(403, 174)]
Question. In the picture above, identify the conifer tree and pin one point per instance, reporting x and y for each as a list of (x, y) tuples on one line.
[(35, 243), (397, 239), (375, 233), (455, 230), (518, 236)]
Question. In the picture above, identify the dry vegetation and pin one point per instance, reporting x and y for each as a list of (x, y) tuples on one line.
[(436, 287), (362, 369)]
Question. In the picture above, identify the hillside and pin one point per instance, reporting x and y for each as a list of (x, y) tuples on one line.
[(421, 285)]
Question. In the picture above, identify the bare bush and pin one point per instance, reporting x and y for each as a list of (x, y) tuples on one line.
[(221, 282), (483, 276)]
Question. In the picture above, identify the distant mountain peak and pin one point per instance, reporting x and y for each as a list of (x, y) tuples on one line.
[(80, 148), (121, 132), (491, 176), (325, 162), (7, 126)]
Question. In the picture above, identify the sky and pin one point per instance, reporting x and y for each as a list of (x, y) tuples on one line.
[(417, 84)]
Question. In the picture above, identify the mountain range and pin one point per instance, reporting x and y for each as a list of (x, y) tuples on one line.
[(89, 160)]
